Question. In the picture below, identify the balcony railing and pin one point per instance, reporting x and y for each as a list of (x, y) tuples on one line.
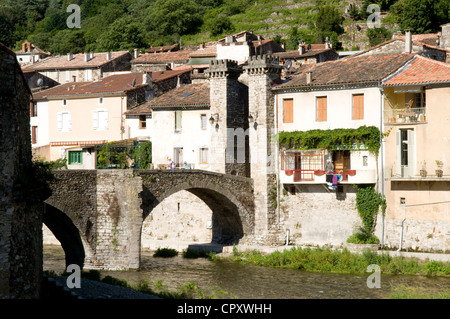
[(404, 116)]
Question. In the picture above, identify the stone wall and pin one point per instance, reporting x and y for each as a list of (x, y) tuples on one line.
[(313, 215), (20, 211)]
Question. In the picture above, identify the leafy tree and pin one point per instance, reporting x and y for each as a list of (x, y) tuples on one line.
[(421, 16), (378, 35), (168, 17), (328, 22), (216, 22), (123, 34)]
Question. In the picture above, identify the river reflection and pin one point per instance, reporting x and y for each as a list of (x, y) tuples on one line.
[(252, 282)]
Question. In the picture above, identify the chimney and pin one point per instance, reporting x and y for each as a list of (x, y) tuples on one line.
[(147, 78), (86, 57), (408, 41), (136, 53), (69, 56), (91, 55), (108, 56), (308, 77), (24, 47)]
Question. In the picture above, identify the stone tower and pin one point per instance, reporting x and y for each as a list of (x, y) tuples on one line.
[(262, 71), (229, 113), (20, 214)]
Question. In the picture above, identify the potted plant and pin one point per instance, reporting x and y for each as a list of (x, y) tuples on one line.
[(439, 171), (423, 171)]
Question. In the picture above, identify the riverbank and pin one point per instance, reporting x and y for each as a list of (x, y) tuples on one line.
[(319, 259), (228, 251)]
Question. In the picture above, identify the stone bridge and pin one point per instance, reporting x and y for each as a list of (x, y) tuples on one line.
[(97, 215)]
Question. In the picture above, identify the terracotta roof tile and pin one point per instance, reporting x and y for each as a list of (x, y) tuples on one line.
[(355, 71), (189, 95), (60, 62), (117, 83), (420, 70), (181, 56)]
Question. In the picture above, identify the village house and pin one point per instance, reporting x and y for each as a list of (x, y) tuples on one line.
[(82, 67), (30, 54), (435, 46), (178, 124), (417, 150), (328, 97), (240, 46), (82, 115), (307, 54)]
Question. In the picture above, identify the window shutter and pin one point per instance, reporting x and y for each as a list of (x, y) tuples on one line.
[(411, 152), (288, 107), (105, 119), (358, 107), (69, 121), (60, 120), (398, 149), (95, 120), (322, 109)]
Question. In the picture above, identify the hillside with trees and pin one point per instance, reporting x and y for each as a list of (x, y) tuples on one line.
[(128, 24)]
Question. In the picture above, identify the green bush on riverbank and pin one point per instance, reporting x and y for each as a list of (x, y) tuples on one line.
[(335, 261)]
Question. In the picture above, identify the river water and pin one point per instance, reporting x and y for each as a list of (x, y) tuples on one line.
[(253, 282)]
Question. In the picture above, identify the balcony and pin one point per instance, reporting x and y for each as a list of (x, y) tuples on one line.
[(404, 116)]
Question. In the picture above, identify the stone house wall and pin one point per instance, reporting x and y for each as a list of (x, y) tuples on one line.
[(20, 212)]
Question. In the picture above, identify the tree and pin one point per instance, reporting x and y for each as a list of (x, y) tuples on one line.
[(168, 17), (378, 35), (421, 16), (216, 22), (328, 20), (123, 34)]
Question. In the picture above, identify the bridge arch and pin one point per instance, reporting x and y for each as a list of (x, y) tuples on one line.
[(231, 216), (67, 234)]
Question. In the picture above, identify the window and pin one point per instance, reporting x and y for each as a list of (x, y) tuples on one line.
[(203, 121), (321, 109), (34, 134), (142, 121), (88, 75), (358, 107), (288, 111), (67, 76), (64, 102), (100, 119), (64, 121), (203, 156), (178, 156), (33, 109), (75, 158), (405, 149), (100, 100), (177, 121)]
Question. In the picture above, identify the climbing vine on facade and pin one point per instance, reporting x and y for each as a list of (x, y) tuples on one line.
[(369, 136)]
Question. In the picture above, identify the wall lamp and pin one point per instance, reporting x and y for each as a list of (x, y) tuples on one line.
[(214, 118)]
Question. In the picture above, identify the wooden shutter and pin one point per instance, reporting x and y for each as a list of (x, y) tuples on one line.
[(321, 115), (60, 125), (95, 120), (288, 111), (358, 107), (411, 153), (398, 151)]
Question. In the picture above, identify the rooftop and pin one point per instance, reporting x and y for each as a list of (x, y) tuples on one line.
[(118, 83), (356, 71), (185, 96), (420, 70), (77, 61)]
